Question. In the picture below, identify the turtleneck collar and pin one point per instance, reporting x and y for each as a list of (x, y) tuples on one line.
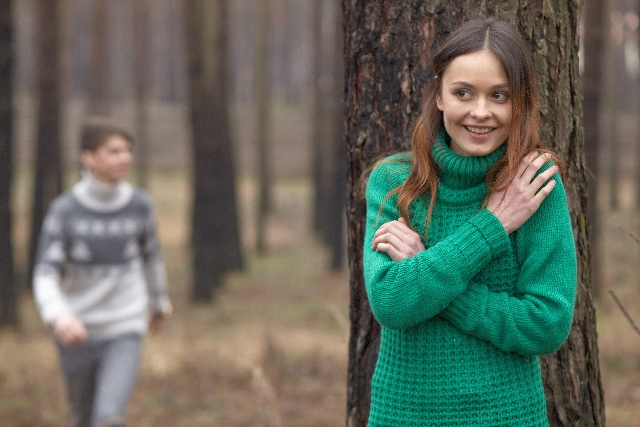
[(462, 172), (100, 196)]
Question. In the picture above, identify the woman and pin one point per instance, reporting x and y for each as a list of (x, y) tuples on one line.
[(470, 264)]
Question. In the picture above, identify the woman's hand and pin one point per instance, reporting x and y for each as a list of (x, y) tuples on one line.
[(397, 240), (70, 330), (514, 205)]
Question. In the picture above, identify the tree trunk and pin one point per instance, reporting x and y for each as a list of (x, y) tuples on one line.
[(142, 55), (48, 182), (592, 81), (215, 235), (263, 100), (99, 93), (8, 300), (329, 166), (388, 50)]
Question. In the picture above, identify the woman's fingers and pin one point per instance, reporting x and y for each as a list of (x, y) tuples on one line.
[(397, 240), (515, 204)]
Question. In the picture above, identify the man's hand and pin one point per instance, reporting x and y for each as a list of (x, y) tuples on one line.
[(70, 330)]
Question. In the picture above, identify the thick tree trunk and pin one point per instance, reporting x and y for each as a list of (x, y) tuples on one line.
[(215, 235), (8, 304), (388, 50), (48, 182)]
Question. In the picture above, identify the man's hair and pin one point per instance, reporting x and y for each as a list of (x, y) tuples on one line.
[(96, 130)]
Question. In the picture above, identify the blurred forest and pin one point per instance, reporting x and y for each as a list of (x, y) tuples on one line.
[(264, 342)]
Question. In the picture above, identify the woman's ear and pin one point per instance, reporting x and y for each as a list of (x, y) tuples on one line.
[(438, 101)]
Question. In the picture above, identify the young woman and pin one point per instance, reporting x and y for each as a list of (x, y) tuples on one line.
[(99, 279), (469, 258)]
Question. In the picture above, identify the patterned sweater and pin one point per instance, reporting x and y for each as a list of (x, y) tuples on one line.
[(463, 321), (98, 259)]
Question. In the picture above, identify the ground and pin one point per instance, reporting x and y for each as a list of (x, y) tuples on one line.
[(271, 350)]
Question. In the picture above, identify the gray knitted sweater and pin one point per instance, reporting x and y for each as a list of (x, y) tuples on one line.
[(98, 259)]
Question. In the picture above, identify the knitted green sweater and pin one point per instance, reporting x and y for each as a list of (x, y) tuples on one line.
[(463, 321)]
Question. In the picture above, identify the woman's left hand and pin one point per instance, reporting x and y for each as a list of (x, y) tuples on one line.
[(397, 240)]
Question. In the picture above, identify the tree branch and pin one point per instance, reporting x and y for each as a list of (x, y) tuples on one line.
[(624, 311), (624, 230)]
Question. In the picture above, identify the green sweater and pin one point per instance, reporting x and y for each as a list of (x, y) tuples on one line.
[(463, 321)]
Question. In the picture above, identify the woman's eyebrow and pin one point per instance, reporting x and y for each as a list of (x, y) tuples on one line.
[(467, 84)]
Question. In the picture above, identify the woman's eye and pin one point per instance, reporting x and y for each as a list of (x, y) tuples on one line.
[(463, 93), (500, 96)]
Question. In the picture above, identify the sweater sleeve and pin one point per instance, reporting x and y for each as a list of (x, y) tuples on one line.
[(50, 258), (537, 319), (404, 294), (154, 268)]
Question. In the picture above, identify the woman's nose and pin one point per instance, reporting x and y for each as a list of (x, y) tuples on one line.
[(480, 110)]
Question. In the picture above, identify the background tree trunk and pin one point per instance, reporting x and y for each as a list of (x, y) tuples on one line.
[(592, 81), (8, 308), (329, 166), (48, 182), (215, 235), (99, 90), (141, 59), (263, 101), (388, 50)]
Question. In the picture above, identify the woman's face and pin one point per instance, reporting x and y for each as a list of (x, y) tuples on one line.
[(475, 100)]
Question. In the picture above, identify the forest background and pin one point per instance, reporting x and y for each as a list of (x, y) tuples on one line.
[(270, 346)]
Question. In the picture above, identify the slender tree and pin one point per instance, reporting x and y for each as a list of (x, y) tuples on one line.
[(141, 60), (263, 99), (388, 49), (329, 165), (48, 182), (8, 300), (592, 81), (215, 235), (99, 89)]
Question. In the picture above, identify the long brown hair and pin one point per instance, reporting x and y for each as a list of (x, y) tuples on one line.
[(500, 38)]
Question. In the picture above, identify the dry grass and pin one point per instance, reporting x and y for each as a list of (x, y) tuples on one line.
[(272, 349)]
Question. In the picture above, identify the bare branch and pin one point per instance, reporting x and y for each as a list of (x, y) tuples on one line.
[(624, 230), (624, 311)]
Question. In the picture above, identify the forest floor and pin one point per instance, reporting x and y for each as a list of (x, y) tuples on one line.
[(272, 349)]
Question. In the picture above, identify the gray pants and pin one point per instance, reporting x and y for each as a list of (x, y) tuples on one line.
[(100, 377)]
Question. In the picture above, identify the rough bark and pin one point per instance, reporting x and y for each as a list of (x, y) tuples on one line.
[(215, 235), (8, 303), (388, 49), (48, 182)]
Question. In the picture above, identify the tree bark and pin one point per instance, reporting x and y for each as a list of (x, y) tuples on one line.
[(388, 49), (215, 235), (8, 300), (48, 182)]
